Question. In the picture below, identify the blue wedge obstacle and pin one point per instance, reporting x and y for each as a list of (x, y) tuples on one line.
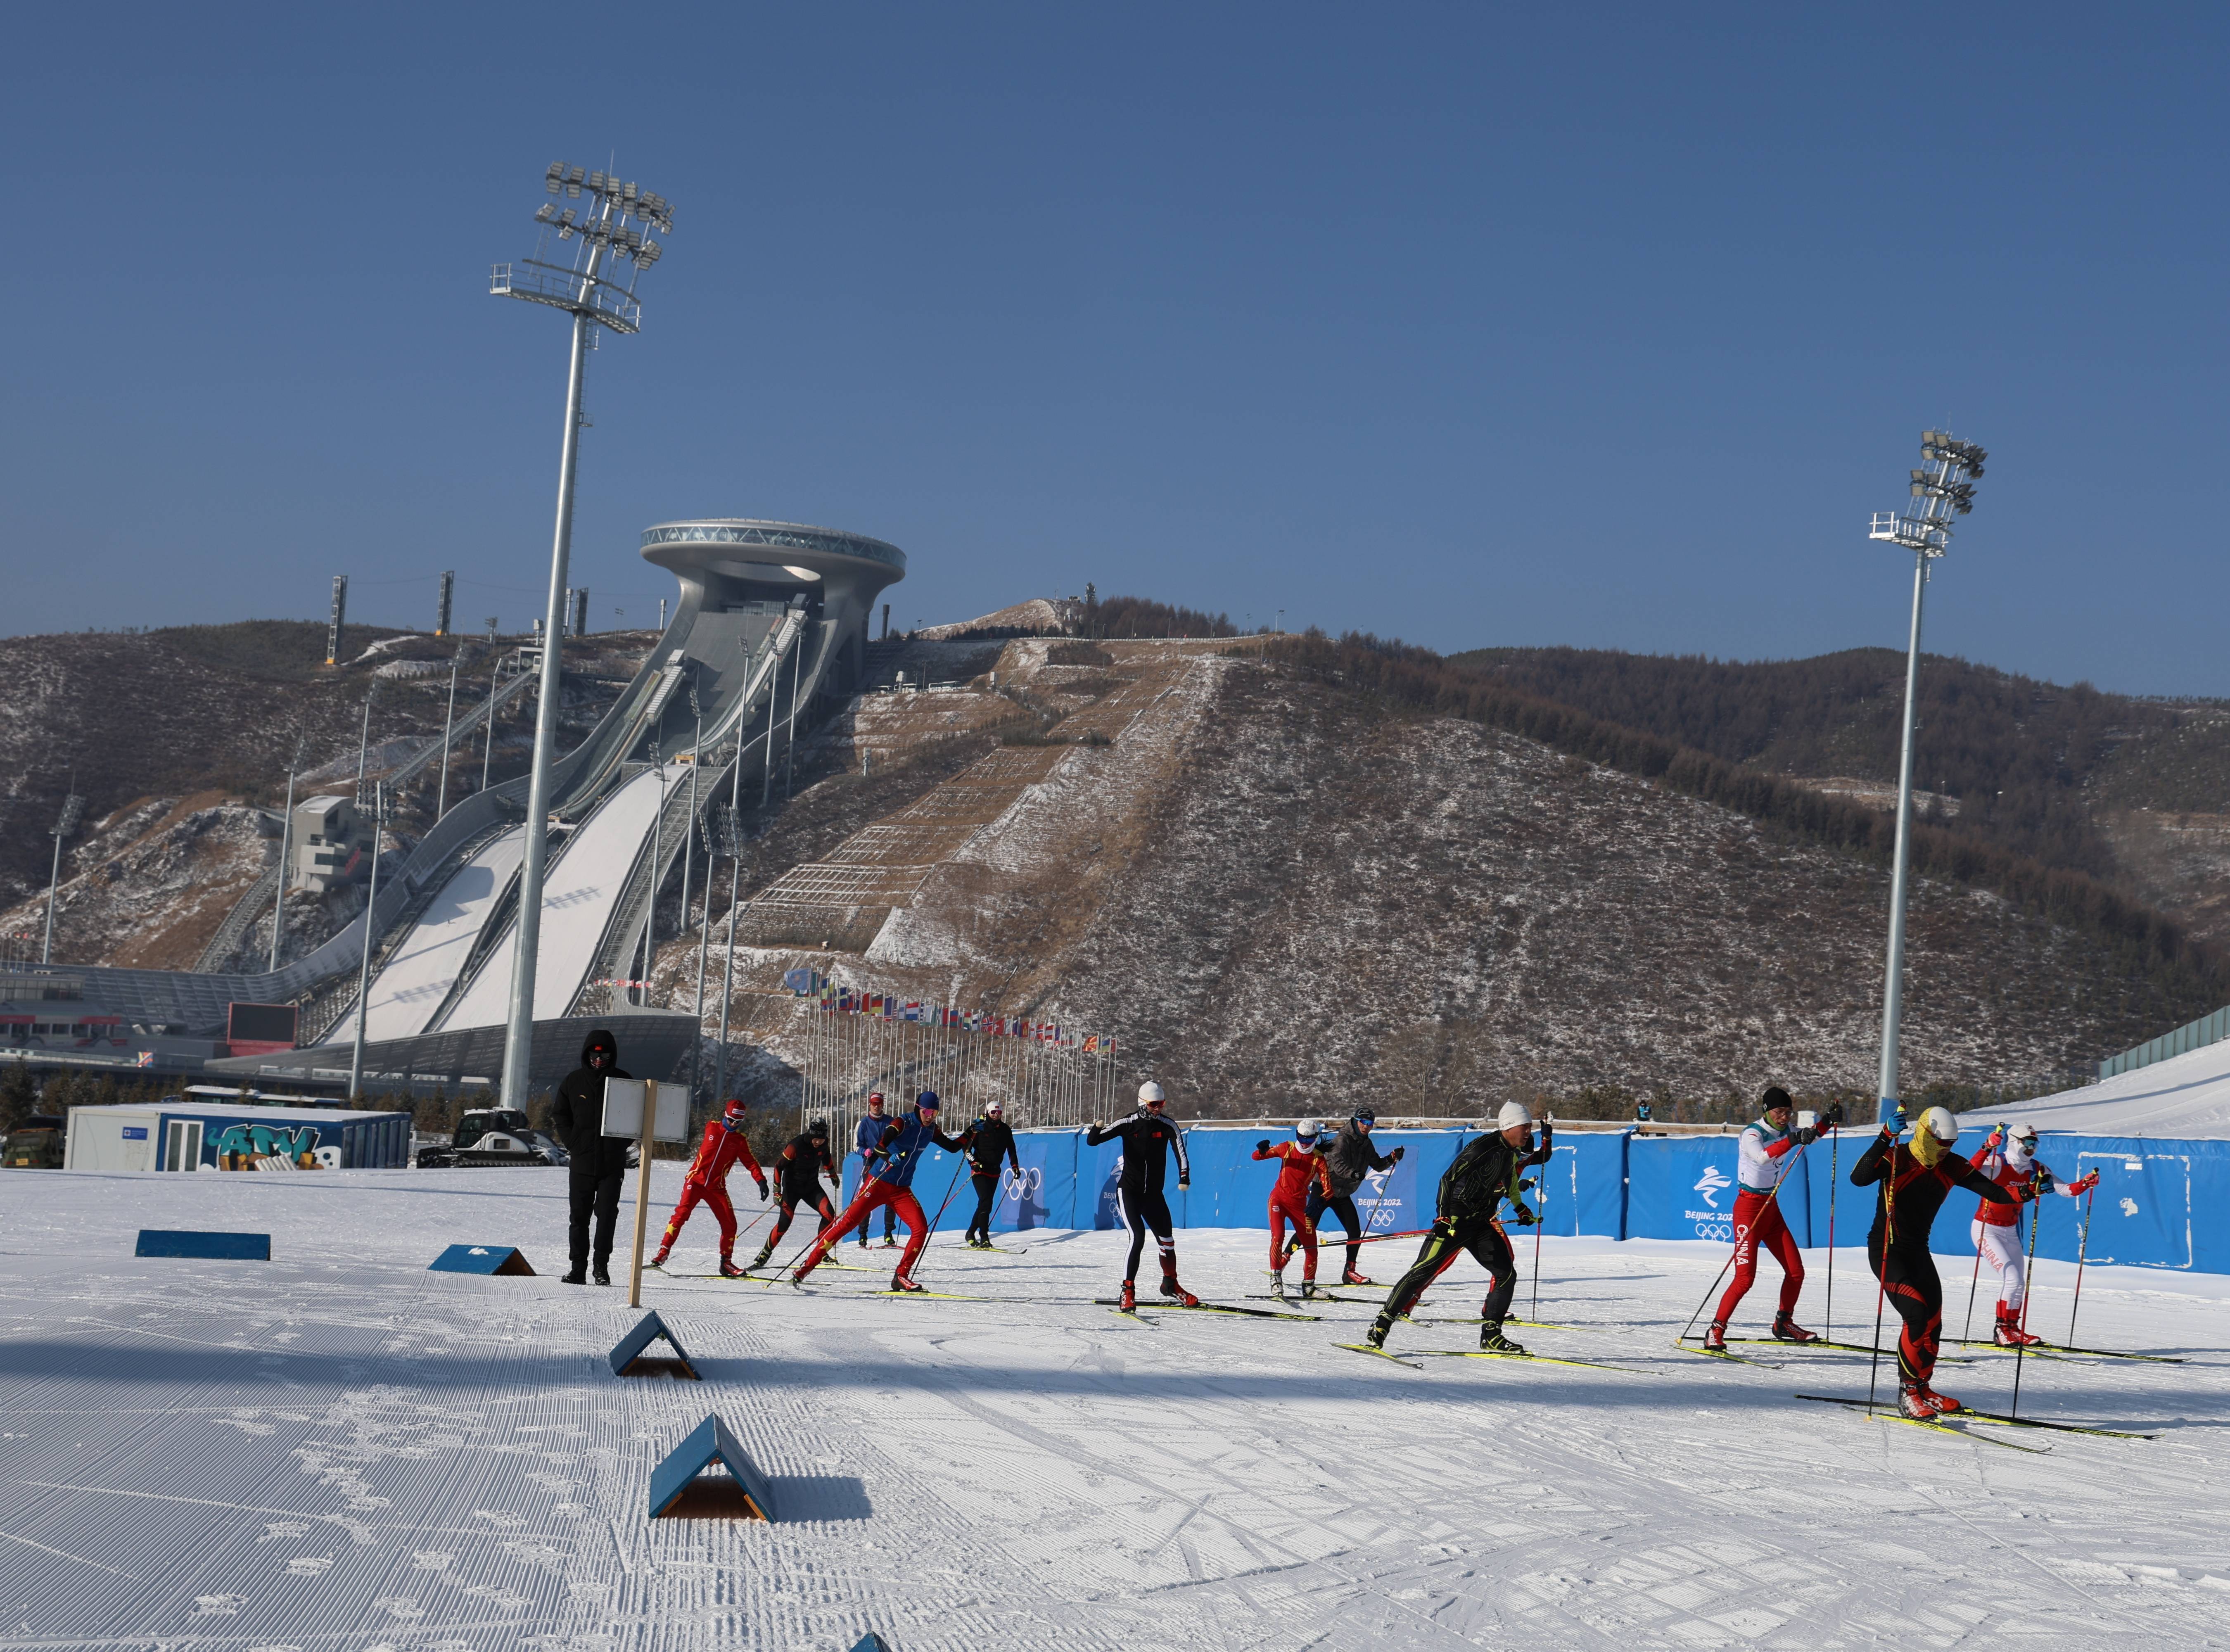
[(480, 1259), (630, 1360), (870, 1641), (203, 1247), (677, 1493)]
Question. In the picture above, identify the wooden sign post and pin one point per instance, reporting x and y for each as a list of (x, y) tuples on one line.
[(650, 1112)]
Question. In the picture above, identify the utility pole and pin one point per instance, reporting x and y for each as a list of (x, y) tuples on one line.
[(488, 751), (286, 842), (611, 229), (1946, 487), (72, 807), (370, 927), (449, 723), (363, 740)]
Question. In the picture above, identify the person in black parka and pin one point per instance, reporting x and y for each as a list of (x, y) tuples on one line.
[(598, 1161)]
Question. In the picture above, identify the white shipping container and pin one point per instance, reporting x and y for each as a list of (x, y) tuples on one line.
[(110, 1139)]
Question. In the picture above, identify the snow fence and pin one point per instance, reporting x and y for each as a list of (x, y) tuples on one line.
[(2160, 1203)]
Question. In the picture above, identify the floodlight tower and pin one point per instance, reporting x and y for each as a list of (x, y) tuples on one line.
[(1945, 486), (612, 229)]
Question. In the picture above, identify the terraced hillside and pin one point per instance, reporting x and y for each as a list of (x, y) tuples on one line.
[(1287, 898)]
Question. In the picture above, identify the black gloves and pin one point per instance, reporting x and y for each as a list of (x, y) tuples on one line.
[(1263, 1147), (1396, 1154), (1521, 1216)]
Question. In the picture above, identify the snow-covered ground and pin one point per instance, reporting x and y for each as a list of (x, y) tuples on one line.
[(340, 1450), (2184, 1097)]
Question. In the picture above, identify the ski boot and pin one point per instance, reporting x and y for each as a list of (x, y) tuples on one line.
[(1130, 1297), (1914, 1401), (901, 1283), (604, 1274), (2009, 1333), (760, 1261), (1351, 1277), (659, 1261), (728, 1268), (1786, 1329), (890, 1242), (1177, 1293), (1940, 1402), (579, 1276), (1490, 1340), (1715, 1338), (1376, 1335), (1308, 1290), (1278, 1284)]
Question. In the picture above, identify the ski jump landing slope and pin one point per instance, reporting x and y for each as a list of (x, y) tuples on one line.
[(427, 964), (577, 901), (339, 1449)]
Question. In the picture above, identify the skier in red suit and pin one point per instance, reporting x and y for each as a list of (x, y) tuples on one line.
[(1303, 1168), (723, 1146)]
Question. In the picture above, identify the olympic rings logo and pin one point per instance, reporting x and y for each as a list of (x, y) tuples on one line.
[(1719, 1230)]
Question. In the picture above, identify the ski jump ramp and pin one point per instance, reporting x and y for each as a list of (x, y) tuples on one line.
[(773, 618)]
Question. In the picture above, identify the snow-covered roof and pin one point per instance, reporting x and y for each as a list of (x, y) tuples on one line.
[(238, 1109), (2186, 1096)]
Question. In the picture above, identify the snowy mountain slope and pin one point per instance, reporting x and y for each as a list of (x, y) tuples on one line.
[(1290, 899), (339, 1448)]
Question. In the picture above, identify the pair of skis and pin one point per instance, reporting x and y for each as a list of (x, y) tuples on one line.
[(1170, 1304), (1414, 1354), (1892, 1415)]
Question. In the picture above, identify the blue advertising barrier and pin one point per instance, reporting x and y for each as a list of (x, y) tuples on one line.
[(1044, 1194), (932, 1178), (203, 1247), (2153, 1206)]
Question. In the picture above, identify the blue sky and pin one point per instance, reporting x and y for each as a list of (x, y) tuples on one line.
[(1474, 324)]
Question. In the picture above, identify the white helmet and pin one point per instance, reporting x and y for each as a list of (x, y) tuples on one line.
[(1306, 1130), (1939, 1123), (2025, 1134), (1149, 1092), (1513, 1112)]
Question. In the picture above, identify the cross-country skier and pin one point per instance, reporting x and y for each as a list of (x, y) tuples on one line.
[(1148, 1136), (988, 1141), (1915, 1179), (1302, 1172), (864, 1138), (1768, 1149), (889, 1184), (2010, 1158), (803, 1162), (1346, 1162), (724, 1145), (597, 1161), (1471, 1191)]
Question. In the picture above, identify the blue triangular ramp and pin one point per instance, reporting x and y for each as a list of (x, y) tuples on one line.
[(626, 1360), (870, 1641), (203, 1247), (480, 1259), (676, 1491)]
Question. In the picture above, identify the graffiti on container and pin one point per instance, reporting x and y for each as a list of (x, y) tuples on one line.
[(264, 1147)]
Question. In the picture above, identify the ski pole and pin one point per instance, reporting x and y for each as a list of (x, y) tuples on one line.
[(959, 1164), (1833, 1166), (1881, 1271), (2020, 1348), (1973, 1280), (1540, 1219), (2082, 1245)]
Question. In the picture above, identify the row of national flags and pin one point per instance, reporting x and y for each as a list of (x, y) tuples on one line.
[(851, 1001)]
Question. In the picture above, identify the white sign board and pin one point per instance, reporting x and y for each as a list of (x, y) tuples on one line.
[(623, 1106)]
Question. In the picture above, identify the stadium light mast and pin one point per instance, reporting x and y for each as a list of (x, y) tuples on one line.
[(613, 228), (1945, 487)]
